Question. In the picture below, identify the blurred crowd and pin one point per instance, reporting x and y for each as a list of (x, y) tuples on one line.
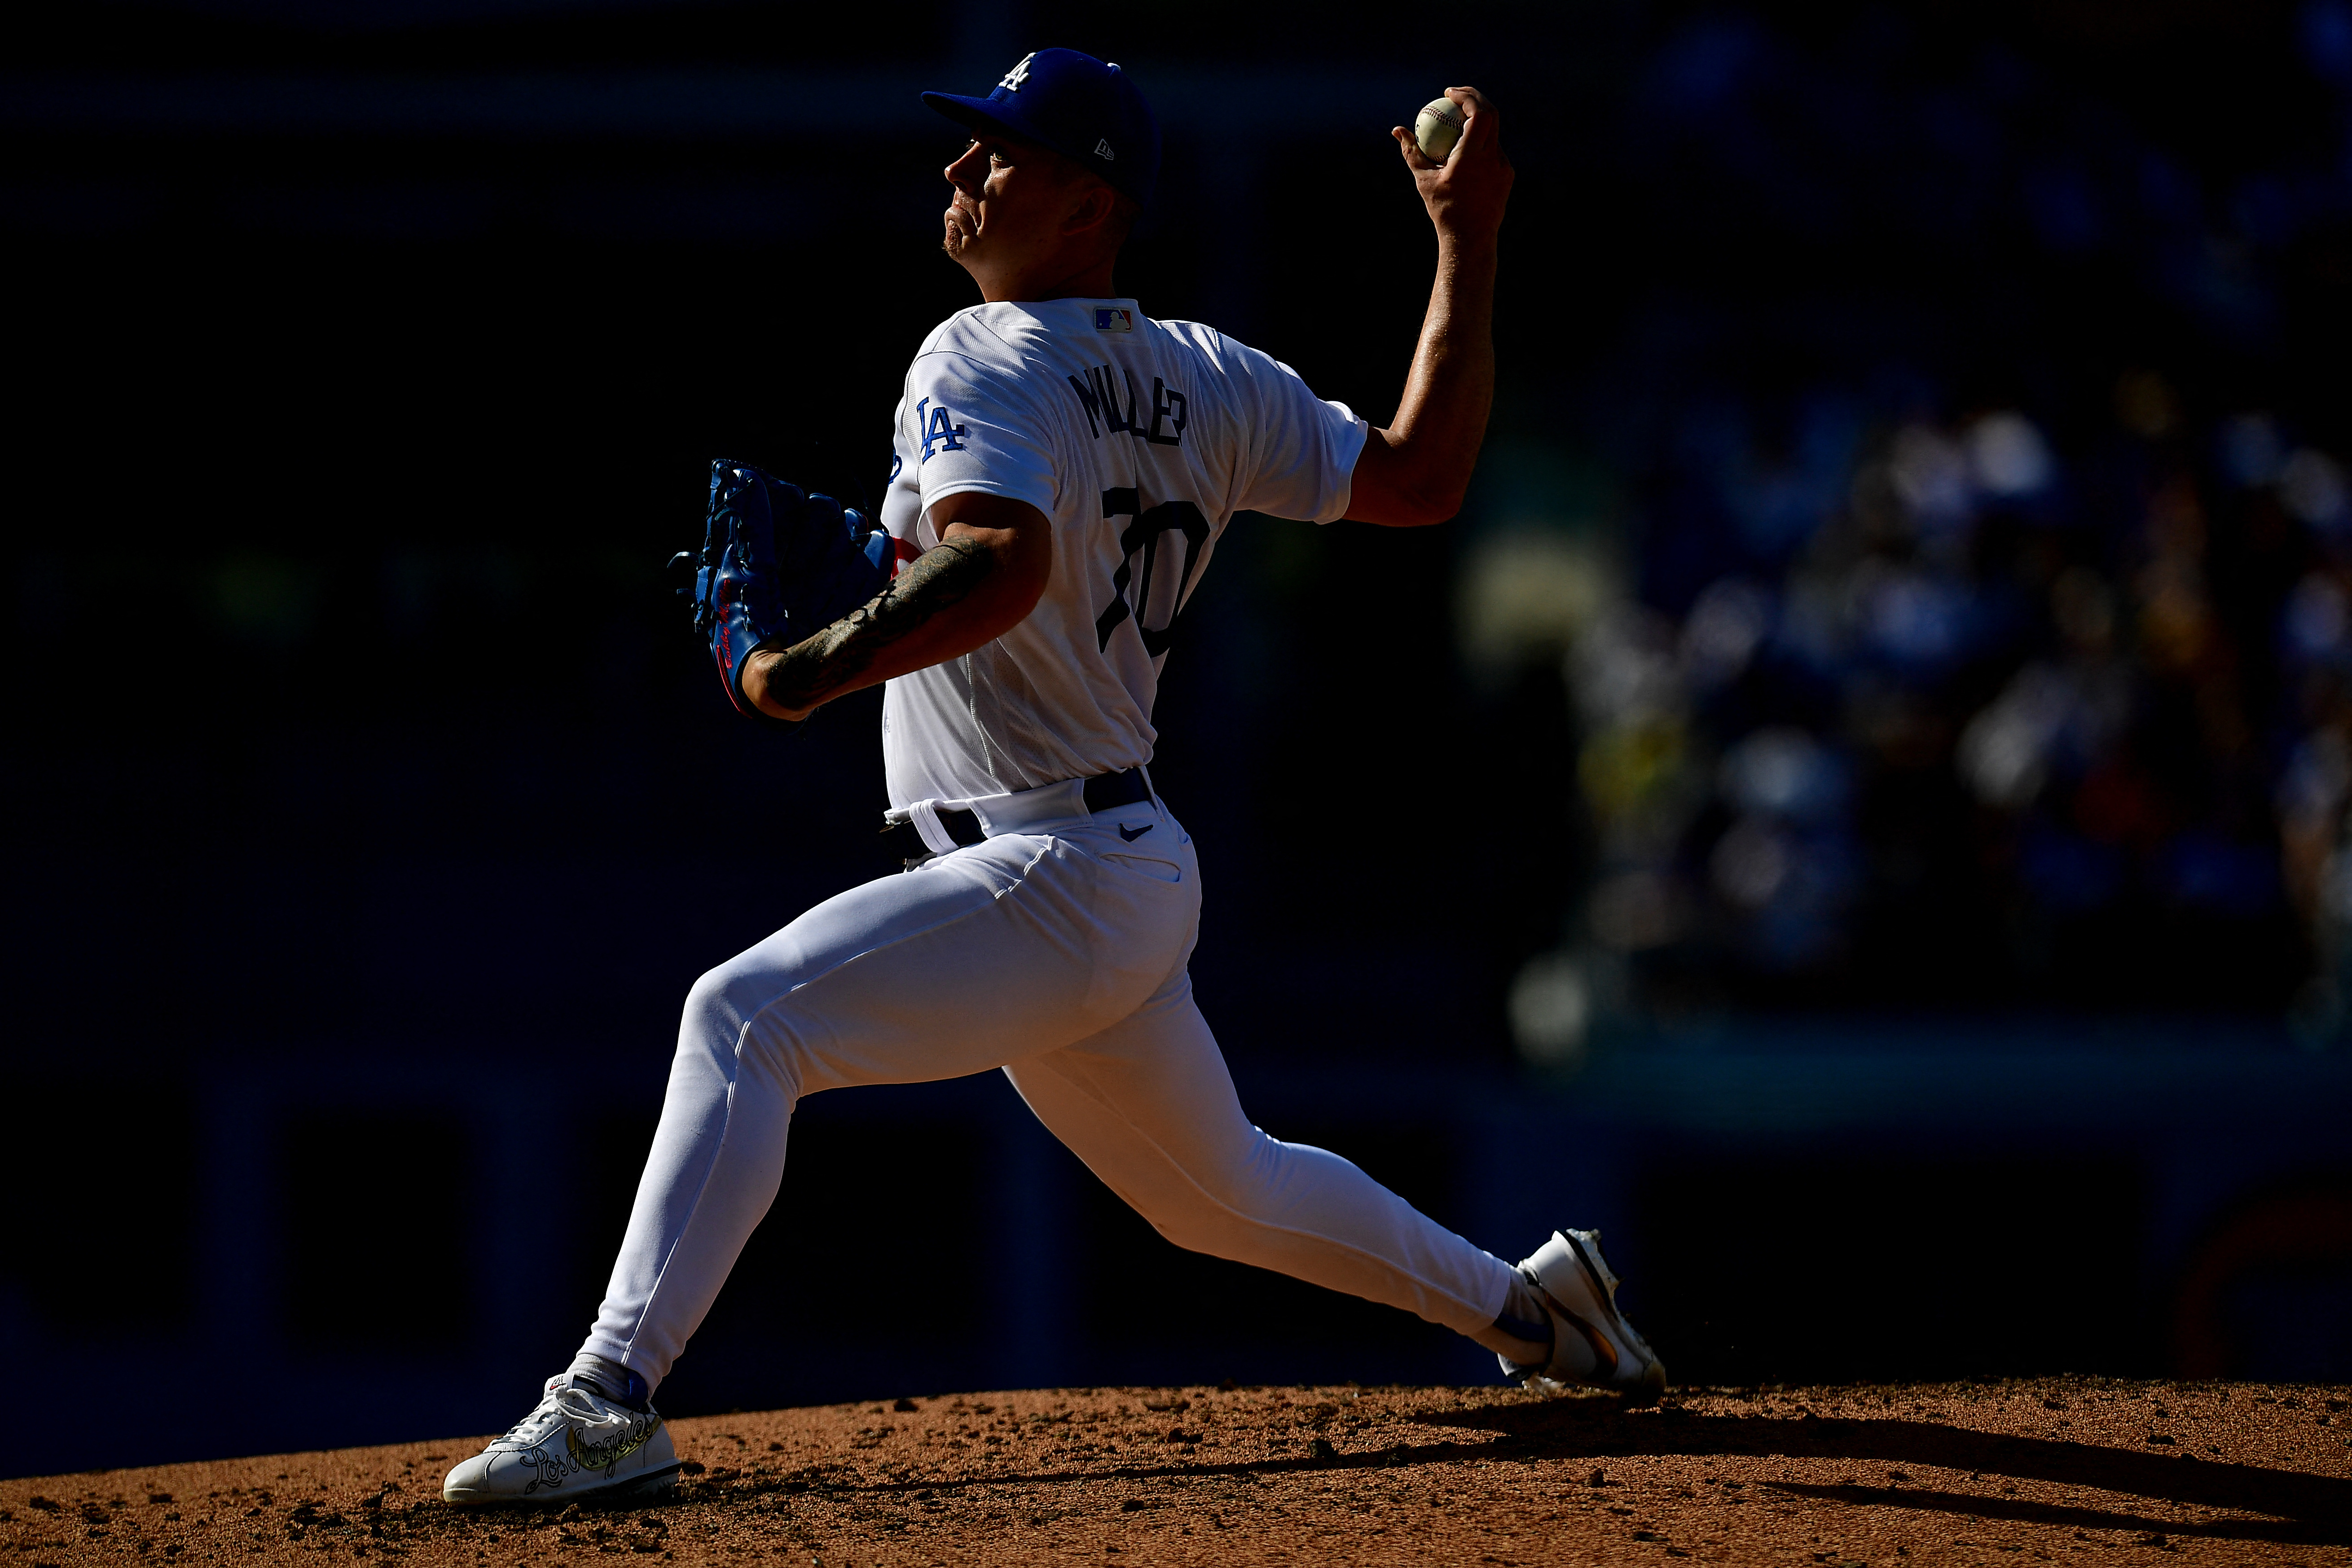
[(1965, 618), (1975, 721)]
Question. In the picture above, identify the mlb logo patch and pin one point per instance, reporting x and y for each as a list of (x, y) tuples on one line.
[(1109, 318)]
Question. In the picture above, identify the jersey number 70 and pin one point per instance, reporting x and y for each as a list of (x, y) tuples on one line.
[(1142, 537)]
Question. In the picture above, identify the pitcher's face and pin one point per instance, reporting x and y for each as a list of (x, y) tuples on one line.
[(1009, 202)]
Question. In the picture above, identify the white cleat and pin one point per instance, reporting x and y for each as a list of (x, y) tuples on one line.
[(1593, 1345), (574, 1444)]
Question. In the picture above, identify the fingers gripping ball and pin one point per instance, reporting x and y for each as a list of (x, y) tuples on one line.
[(1437, 128), (777, 565)]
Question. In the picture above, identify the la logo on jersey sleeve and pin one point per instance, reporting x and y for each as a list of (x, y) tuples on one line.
[(938, 426)]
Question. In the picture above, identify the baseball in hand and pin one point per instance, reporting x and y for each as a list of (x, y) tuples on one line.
[(1436, 128)]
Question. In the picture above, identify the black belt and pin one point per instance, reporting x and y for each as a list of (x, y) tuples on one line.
[(1104, 791)]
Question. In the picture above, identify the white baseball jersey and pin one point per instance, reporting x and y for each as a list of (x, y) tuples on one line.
[(1139, 440)]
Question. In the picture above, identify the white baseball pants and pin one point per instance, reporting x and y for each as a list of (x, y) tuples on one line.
[(1056, 950)]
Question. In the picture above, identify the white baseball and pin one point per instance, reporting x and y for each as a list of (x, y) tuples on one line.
[(1436, 128)]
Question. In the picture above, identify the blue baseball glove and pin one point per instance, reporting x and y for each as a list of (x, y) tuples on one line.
[(777, 565)]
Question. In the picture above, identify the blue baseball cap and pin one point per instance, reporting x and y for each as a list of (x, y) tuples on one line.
[(1087, 110)]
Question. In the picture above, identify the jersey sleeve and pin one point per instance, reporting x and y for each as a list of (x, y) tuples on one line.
[(1300, 456), (973, 426)]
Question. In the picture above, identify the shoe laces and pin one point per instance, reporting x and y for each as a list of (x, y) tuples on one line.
[(594, 1417)]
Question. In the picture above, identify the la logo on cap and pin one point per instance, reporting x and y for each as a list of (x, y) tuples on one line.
[(1018, 73)]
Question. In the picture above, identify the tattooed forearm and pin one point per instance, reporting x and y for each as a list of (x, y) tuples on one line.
[(834, 660)]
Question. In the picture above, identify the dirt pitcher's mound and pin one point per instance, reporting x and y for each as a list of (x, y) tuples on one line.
[(2066, 1470)]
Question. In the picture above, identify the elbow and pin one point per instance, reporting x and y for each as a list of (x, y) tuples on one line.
[(1402, 485), (1033, 573), (1394, 509), (1017, 608), (1018, 589), (1426, 509), (1443, 507)]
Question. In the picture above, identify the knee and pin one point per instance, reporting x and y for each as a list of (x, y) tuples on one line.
[(718, 1006), (742, 1007), (708, 992)]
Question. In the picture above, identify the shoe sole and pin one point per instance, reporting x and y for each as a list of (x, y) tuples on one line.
[(1651, 1384), (659, 1480)]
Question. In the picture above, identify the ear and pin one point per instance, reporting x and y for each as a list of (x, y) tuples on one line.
[(1091, 210)]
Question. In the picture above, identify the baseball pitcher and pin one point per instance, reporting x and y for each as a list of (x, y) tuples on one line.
[(1065, 468)]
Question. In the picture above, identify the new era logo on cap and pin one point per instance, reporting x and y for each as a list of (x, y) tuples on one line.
[(1102, 150), (1110, 318)]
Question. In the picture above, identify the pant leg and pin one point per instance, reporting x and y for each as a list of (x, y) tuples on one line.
[(1149, 1106), (1020, 944)]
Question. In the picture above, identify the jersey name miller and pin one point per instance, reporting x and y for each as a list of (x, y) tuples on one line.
[(1098, 396)]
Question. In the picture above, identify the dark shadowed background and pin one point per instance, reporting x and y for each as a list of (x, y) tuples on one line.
[(1855, 807)]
